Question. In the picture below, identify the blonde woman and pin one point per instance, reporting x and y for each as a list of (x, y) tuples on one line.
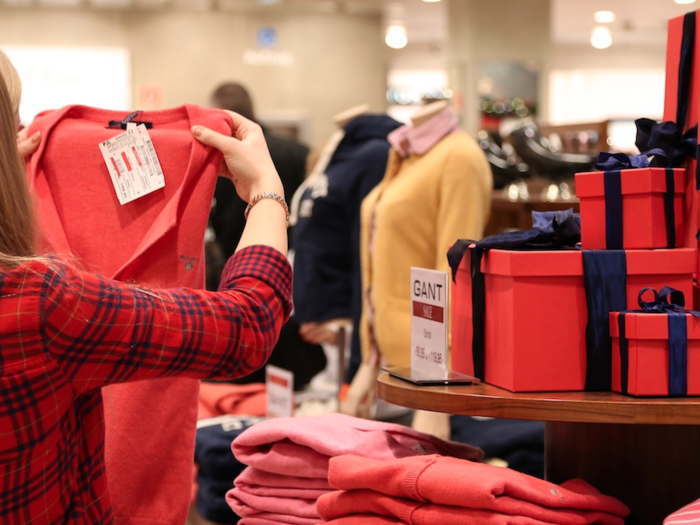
[(65, 333)]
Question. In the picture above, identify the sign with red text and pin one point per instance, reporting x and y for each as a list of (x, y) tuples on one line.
[(429, 314), (279, 384)]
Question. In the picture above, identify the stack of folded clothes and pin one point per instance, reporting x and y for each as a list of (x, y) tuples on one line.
[(288, 461), (687, 515), (434, 489)]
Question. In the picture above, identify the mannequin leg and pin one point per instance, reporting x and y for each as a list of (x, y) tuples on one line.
[(359, 401), (435, 423)]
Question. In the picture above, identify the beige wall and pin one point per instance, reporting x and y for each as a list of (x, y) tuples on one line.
[(339, 59), (509, 30)]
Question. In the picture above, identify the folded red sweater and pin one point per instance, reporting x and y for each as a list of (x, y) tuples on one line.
[(452, 481), (303, 446), (344, 503), (157, 239)]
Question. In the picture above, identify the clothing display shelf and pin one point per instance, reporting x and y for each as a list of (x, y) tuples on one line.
[(644, 451)]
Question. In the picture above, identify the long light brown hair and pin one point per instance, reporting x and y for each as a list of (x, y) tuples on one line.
[(17, 220)]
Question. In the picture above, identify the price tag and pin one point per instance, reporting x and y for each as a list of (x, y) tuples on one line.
[(133, 164), (429, 353), (280, 391)]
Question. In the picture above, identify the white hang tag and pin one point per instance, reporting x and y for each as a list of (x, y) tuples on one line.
[(133, 164)]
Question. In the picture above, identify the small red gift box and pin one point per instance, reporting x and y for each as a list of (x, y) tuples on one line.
[(644, 200), (535, 313), (647, 357)]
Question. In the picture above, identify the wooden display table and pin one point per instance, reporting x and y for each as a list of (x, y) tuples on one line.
[(646, 452)]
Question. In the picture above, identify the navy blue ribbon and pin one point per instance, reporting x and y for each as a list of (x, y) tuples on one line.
[(672, 303), (670, 209), (612, 184), (605, 283)]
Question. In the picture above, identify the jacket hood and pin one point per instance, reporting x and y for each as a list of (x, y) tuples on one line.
[(368, 127)]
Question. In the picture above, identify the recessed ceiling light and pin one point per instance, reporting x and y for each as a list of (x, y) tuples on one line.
[(601, 38), (604, 17), (683, 2), (396, 36), (430, 1)]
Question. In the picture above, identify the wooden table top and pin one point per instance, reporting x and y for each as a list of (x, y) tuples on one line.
[(582, 407)]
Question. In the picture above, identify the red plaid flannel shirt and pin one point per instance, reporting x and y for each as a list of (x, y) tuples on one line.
[(64, 334)]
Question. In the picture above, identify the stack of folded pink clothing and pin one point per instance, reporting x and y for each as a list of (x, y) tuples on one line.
[(688, 515), (433, 489), (288, 461)]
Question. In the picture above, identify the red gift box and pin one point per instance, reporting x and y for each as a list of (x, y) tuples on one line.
[(671, 103), (648, 354), (536, 313), (643, 219)]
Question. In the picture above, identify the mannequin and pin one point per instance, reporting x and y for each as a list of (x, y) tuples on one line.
[(325, 234), (437, 188)]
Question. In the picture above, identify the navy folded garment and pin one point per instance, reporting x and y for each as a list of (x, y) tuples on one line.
[(520, 443)]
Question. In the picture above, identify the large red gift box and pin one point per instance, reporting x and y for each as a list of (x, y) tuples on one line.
[(536, 313), (690, 91), (643, 209), (648, 354)]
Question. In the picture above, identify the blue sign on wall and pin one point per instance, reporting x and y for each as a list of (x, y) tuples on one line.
[(267, 37)]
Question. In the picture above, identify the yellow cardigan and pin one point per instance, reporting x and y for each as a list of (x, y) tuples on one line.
[(422, 206)]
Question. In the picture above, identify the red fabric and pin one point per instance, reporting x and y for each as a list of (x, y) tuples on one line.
[(302, 446), (342, 503), (157, 239), (219, 399), (64, 334), (268, 518), (363, 519), (452, 481), (688, 515), (256, 481)]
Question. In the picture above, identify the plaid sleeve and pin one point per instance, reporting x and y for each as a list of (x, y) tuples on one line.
[(102, 331)]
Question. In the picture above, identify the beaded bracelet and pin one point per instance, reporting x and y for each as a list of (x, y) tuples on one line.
[(267, 195)]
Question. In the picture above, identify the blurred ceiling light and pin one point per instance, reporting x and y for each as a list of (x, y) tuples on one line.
[(61, 3), (683, 2), (604, 17), (601, 38), (431, 1), (396, 36), (111, 4)]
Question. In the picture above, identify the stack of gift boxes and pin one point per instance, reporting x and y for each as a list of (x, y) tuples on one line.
[(608, 315)]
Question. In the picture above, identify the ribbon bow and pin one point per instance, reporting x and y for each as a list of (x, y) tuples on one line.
[(666, 142), (666, 300), (662, 146)]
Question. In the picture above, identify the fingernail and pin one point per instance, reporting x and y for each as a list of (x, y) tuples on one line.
[(196, 131), (36, 136)]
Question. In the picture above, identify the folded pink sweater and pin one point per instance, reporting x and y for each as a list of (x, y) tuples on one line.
[(360, 519), (303, 446), (246, 504), (452, 481), (262, 483), (344, 503), (267, 518), (688, 515)]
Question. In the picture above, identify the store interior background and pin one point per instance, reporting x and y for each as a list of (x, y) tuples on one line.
[(304, 61)]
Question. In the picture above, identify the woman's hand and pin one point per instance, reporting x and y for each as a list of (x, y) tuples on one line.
[(27, 146), (247, 161)]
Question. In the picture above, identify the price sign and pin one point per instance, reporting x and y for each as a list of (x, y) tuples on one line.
[(280, 391), (429, 353)]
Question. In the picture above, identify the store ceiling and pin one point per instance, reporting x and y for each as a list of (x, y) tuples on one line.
[(637, 21)]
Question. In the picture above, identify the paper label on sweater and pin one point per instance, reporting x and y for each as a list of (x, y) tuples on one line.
[(279, 384), (429, 313), (133, 164)]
